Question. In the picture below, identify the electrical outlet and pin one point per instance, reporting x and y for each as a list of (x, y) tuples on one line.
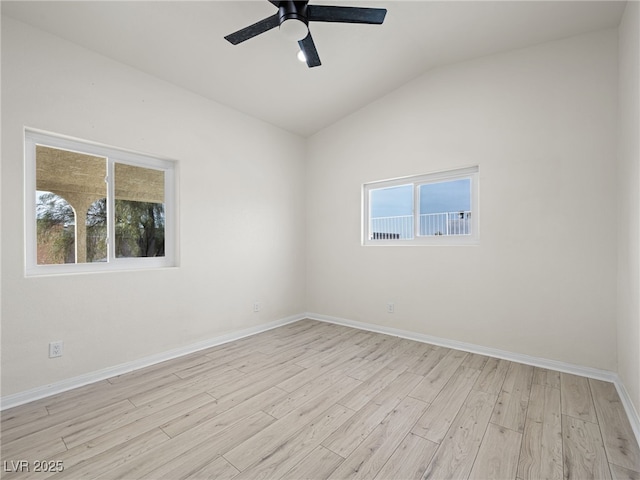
[(391, 307), (257, 306), (55, 349)]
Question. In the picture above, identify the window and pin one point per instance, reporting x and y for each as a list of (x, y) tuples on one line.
[(95, 208), (432, 209)]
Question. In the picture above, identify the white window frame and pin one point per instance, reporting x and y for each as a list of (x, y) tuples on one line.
[(416, 181), (113, 155)]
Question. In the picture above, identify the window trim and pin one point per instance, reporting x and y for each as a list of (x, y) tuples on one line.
[(33, 137), (416, 181)]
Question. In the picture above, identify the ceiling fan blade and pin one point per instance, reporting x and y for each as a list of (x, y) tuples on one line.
[(325, 13), (310, 52), (253, 30)]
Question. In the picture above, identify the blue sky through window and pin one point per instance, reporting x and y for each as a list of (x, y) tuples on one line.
[(453, 196), (450, 196), (391, 201)]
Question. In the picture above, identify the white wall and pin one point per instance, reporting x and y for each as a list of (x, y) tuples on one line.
[(541, 124), (241, 206), (629, 203)]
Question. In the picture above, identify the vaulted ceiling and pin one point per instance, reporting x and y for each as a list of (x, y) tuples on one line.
[(182, 42)]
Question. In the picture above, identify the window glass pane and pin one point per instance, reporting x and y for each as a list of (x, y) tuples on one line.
[(67, 184), (97, 231), (445, 208), (55, 224), (391, 213), (139, 211)]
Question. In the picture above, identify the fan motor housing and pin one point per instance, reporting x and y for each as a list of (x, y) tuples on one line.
[(290, 10)]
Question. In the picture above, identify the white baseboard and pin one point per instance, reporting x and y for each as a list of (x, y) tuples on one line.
[(597, 374), (632, 413), (62, 386)]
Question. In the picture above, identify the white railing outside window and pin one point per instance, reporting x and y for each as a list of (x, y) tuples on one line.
[(431, 224), (392, 228), (446, 223)]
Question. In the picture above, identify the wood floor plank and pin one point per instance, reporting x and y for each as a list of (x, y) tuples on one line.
[(192, 418), (318, 465), (576, 398), (98, 398), (125, 433), (617, 434), (430, 357), (382, 351), (541, 452), (473, 360), (292, 450), (410, 355), (229, 351), (498, 455), (434, 381), (327, 357), (435, 422), (248, 361), (621, 473), (401, 347), (372, 340), (362, 394), (410, 459), (149, 419), (548, 378), (218, 469), (47, 448), (208, 367), (304, 339), (282, 405), (511, 407), (584, 455), (71, 395), (492, 376), (190, 462), (370, 456), (283, 357), (223, 418), (87, 426), (365, 370), (57, 426), (269, 438), (201, 439), (197, 453), (305, 375), (260, 380), (115, 456), (322, 344), (347, 438), (175, 366), (457, 452), (350, 360), (19, 416)]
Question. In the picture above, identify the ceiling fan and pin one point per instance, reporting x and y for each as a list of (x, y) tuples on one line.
[(293, 18)]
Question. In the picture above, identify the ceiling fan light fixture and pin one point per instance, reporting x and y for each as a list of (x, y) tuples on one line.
[(294, 29), (293, 19)]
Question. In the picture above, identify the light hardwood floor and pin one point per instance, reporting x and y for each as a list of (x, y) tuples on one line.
[(311, 401)]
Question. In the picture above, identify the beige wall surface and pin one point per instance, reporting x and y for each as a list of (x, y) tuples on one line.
[(541, 125), (241, 216), (629, 203)]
